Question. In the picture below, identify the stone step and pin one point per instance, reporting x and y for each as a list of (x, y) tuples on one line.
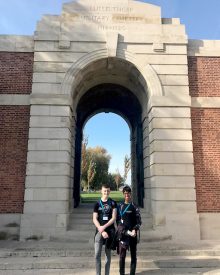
[(85, 225), (88, 215), (87, 236), (146, 222), (89, 252), (88, 209), (82, 226), (84, 262), (114, 271), (87, 232), (81, 219), (88, 221)]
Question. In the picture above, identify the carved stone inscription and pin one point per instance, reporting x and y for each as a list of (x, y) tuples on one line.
[(107, 17), (109, 9)]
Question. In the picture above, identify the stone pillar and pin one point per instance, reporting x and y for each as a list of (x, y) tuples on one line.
[(48, 173), (133, 166), (171, 168), (146, 162)]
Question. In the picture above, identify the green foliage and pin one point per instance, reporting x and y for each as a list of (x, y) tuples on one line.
[(94, 167), (102, 161), (118, 179), (111, 182), (91, 172)]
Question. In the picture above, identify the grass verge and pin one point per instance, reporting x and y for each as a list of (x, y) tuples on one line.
[(95, 196)]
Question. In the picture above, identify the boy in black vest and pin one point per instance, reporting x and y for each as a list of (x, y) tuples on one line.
[(129, 222), (104, 216)]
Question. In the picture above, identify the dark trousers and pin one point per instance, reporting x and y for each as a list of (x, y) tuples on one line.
[(122, 256)]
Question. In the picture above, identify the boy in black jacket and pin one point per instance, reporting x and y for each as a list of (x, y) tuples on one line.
[(129, 222), (104, 216)]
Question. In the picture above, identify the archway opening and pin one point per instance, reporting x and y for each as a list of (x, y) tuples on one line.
[(120, 100), (105, 156)]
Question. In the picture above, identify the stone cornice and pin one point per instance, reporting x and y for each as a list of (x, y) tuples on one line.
[(196, 102), (204, 48), (205, 102), (16, 43), (14, 99)]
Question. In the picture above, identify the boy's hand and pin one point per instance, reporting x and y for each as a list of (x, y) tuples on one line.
[(133, 232), (105, 235), (101, 229)]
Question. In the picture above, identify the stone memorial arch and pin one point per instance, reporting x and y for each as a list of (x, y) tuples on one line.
[(117, 56), (111, 83)]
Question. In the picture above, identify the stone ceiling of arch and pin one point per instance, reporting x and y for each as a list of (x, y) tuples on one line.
[(110, 98), (111, 71)]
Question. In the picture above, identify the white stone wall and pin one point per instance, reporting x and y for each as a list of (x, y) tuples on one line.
[(209, 226), (171, 170), (49, 167)]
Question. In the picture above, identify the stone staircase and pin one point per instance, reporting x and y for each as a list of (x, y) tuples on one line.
[(80, 224), (73, 253)]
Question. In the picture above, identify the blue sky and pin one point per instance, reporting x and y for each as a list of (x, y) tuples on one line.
[(20, 16), (109, 130)]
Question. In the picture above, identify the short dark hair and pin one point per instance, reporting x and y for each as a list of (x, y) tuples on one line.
[(106, 185), (127, 189)]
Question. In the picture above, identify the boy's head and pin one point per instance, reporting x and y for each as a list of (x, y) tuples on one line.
[(127, 193), (126, 189), (105, 190), (105, 185)]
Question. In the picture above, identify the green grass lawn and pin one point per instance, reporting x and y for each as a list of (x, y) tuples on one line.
[(95, 196)]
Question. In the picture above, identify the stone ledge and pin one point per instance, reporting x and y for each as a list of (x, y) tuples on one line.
[(47, 99), (14, 99), (169, 101), (16, 43), (204, 48), (205, 102)]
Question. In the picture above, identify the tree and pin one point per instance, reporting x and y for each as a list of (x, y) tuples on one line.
[(101, 159), (84, 159), (84, 164), (94, 166), (127, 166), (118, 178), (111, 182), (91, 172)]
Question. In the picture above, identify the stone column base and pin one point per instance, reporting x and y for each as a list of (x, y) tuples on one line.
[(182, 227), (210, 226), (42, 226)]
